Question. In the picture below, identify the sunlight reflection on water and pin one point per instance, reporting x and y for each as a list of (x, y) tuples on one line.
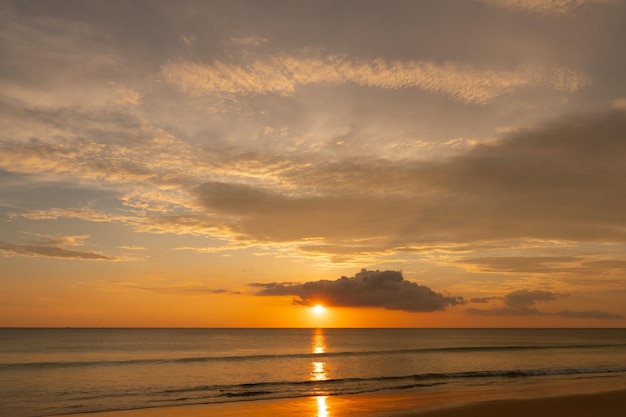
[(318, 368), (322, 408), (318, 371), (319, 341), (318, 374)]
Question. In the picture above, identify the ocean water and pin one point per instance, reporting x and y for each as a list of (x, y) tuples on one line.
[(47, 372)]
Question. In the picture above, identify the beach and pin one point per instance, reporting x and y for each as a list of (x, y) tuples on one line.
[(605, 397), (606, 404)]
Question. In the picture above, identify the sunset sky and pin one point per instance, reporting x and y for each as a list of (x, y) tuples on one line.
[(225, 163)]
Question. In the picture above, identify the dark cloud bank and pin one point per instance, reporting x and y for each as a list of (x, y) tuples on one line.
[(562, 180), (384, 289), (523, 303), (389, 290)]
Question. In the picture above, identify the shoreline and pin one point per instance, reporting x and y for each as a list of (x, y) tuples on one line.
[(604, 404), (598, 396)]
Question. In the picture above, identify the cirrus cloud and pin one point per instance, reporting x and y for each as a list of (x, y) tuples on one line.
[(55, 247), (284, 74), (548, 7)]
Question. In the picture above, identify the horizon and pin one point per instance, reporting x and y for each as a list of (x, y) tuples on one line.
[(319, 328)]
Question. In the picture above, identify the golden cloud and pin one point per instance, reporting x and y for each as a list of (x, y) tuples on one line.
[(548, 7), (284, 74)]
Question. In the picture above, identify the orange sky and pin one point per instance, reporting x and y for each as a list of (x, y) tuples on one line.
[(227, 163)]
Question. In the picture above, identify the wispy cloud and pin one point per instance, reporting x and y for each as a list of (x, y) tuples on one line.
[(522, 264), (364, 206), (52, 252), (250, 40), (132, 247), (516, 188), (284, 74), (582, 266), (74, 213), (182, 289), (619, 103), (74, 57), (590, 314), (214, 249), (54, 247), (549, 7)]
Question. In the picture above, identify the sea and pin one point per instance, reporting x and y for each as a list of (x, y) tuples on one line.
[(45, 372)]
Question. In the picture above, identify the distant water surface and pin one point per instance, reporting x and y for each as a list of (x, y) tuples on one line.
[(47, 372)]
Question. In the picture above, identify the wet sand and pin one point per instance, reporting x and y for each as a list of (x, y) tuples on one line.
[(578, 398), (607, 404)]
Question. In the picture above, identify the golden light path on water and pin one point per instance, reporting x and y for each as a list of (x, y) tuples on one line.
[(318, 371), (322, 409)]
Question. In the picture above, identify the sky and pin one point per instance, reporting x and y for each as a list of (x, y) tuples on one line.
[(434, 163)]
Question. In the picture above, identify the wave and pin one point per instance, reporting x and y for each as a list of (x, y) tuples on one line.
[(317, 356), (343, 386), (213, 394)]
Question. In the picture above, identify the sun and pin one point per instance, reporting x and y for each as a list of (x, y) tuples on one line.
[(319, 309)]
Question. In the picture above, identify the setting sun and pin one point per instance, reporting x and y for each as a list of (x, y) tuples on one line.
[(319, 309)]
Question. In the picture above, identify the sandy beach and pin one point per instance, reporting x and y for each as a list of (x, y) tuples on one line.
[(577, 398), (606, 404)]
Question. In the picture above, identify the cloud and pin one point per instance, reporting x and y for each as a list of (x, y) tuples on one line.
[(251, 40), (481, 300), (348, 208), (267, 215), (548, 7), (516, 303), (188, 40), (56, 247), (517, 264), (75, 213), (145, 174), (131, 247), (44, 240), (554, 180), (213, 249), (590, 314), (503, 311), (523, 302), (619, 104), (58, 62), (284, 74), (383, 289), (341, 207), (580, 266), (562, 181), (116, 161), (527, 298), (188, 224), (185, 289), (53, 252)]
